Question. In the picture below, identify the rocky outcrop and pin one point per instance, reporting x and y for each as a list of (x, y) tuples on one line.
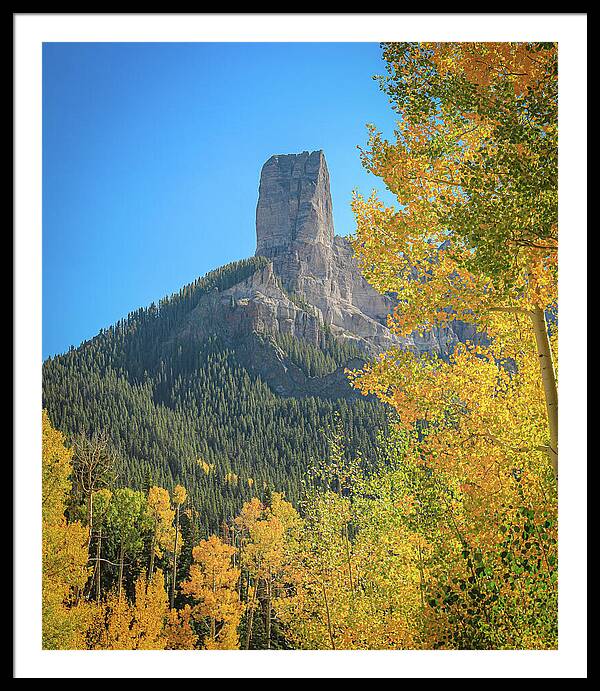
[(294, 229), (257, 305), (310, 280), (262, 357), (294, 204)]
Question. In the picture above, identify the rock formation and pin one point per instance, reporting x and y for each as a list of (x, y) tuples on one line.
[(310, 279), (294, 229)]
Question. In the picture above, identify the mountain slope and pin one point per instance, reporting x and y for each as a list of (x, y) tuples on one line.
[(236, 382), (177, 400)]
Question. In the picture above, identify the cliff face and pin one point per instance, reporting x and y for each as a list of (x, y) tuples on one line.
[(294, 229), (294, 204), (310, 280)]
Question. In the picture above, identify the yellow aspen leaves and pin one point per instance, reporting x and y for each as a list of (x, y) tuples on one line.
[(212, 584), (179, 495), (64, 550)]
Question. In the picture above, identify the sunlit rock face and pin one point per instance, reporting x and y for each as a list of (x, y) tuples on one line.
[(294, 204), (312, 278), (294, 229)]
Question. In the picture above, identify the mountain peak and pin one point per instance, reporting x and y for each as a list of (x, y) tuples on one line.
[(294, 203)]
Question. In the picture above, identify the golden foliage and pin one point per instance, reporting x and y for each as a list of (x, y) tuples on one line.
[(475, 239), (178, 630), (121, 625), (159, 508), (64, 550), (213, 585), (179, 495), (474, 167)]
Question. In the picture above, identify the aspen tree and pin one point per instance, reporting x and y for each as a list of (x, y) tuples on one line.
[(94, 467), (129, 523), (474, 169), (162, 515), (100, 507), (179, 496), (212, 584), (264, 532), (64, 549)]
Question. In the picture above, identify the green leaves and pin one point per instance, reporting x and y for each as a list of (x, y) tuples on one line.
[(128, 519)]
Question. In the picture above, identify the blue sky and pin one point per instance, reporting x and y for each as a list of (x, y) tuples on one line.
[(152, 155)]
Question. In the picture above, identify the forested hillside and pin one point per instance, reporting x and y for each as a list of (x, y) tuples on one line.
[(423, 515), (183, 410)]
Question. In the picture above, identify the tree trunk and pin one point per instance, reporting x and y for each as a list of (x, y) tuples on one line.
[(421, 579), (251, 614), (268, 626), (152, 550), (348, 557), (175, 559), (330, 630), (98, 562), (90, 507), (121, 557), (548, 380), (213, 622)]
